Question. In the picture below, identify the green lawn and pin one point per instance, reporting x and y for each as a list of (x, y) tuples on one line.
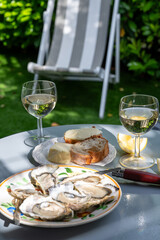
[(78, 102)]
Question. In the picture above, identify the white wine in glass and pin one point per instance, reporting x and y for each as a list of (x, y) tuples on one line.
[(138, 114), (39, 98)]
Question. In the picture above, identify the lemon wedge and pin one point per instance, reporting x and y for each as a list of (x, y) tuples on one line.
[(126, 143)]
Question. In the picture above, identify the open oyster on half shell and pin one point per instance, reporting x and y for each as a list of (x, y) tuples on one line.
[(83, 192), (45, 208), (21, 191), (59, 198), (44, 177)]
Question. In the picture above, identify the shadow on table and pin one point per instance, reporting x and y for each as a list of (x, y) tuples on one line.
[(110, 137), (33, 233), (31, 159), (116, 225), (5, 172)]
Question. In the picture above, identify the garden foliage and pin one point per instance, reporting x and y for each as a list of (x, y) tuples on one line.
[(21, 22), (21, 25), (140, 35)]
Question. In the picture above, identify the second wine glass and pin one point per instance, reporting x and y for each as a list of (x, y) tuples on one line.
[(39, 98), (138, 114)]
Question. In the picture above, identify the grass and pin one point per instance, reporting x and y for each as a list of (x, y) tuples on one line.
[(78, 102)]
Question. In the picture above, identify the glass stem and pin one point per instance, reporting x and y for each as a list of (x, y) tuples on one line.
[(40, 128), (137, 146)]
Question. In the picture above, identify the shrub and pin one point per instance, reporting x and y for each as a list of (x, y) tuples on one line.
[(21, 25), (21, 22), (140, 36)]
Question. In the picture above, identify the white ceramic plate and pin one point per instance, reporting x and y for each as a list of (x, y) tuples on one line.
[(7, 208), (40, 153)]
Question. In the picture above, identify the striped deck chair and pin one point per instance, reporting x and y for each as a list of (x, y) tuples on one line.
[(82, 30)]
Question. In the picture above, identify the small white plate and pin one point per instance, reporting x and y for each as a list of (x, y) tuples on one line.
[(40, 153), (7, 208)]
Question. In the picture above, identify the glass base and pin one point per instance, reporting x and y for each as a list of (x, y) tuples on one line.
[(33, 141), (143, 162)]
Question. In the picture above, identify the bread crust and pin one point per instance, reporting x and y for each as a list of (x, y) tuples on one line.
[(78, 135), (90, 155)]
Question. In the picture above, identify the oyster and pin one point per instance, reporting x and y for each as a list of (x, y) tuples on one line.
[(92, 190), (21, 191), (45, 208), (86, 177), (44, 177), (59, 198), (97, 194), (67, 187), (67, 194), (83, 192)]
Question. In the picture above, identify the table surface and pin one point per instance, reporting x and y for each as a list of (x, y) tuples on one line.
[(136, 217)]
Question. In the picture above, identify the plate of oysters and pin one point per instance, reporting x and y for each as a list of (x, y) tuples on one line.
[(84, 146), (56, 196)]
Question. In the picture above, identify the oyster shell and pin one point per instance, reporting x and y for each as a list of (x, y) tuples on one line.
[(45, 208), (83, 191), (92, 190), (21, 191), (86, 177), (97, 194), (67, 194), (75, 202), (44, 177), (59, 198)]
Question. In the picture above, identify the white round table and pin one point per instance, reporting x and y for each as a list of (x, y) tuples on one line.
[(136, 217)]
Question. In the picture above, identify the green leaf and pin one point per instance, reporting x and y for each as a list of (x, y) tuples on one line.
[(125, 6), (24, 18), (150, 38), (146, 33), (136, 66), (104, 207), (154, 16), (4, 205), (147, 6), (7, 14), (25, 180), (36, 16), (132, 26), (10, 205), (16, 34), (91, 215), (62, 174), (68, 170), (26, 11), (152, 63), (130, 14), (19, 183), (152, 73)]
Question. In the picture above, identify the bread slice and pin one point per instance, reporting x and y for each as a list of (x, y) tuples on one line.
[(89, 151), (60, 153), (76, 135)]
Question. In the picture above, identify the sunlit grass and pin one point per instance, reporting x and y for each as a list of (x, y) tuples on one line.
[(78, 102)]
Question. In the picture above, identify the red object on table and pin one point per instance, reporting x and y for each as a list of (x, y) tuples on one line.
[(141, 176)]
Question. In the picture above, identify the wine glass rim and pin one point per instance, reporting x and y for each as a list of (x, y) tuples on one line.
[(143, 95), (33, 81)]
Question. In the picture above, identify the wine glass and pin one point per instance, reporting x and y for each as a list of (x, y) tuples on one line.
[(138, 113), (39, 98)]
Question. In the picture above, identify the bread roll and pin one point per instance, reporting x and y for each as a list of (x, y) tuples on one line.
[(89, 151), (60, 153), (76, 135)]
